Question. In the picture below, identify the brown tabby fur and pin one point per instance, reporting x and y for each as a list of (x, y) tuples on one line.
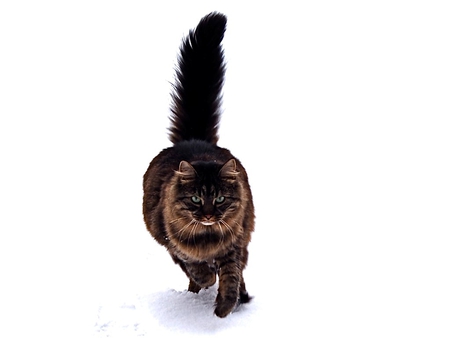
[(197, 199)]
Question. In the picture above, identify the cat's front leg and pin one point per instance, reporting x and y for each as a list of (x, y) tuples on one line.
[(229, 280)]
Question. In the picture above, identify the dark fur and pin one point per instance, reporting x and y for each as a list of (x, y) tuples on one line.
[(200, 73), (197, 199)]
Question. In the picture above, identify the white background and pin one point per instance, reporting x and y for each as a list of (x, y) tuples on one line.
[(338, 109)]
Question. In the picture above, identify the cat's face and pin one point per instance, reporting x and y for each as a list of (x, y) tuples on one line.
[(208, 196)]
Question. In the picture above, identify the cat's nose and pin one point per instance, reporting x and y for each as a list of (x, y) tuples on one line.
[(208, 217)]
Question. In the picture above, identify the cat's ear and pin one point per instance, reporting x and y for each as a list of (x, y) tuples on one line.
[(228, 170), (186, 170)]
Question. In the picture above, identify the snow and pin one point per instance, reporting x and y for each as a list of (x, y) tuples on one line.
[(187, 314), (338, 110)]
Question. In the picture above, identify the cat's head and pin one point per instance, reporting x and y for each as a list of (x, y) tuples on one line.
[(207, 199)]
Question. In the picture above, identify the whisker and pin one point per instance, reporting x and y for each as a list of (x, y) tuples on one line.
[(221, 230), (176, 220), (230, 229), (238, 224), (193, 230), (182, 230)]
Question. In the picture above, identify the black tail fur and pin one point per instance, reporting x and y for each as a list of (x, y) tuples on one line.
[(199, 79)]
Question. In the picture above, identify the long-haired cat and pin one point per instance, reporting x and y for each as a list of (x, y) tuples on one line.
[(197, 199)]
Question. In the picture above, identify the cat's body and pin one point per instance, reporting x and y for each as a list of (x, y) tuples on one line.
[(197, 199)]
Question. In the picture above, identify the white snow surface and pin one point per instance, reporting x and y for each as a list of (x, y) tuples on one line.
[(339, 111), (180, 312)]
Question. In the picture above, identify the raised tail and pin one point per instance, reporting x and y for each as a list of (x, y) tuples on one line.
[(197, 91)]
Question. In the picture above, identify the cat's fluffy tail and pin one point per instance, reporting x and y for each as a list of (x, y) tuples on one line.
[(199, 79)]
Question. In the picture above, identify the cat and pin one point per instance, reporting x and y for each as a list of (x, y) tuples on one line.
[(197, 199)]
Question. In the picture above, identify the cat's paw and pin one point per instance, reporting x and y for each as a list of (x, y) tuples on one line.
[(224, 306), (204, 282), (194, 287)]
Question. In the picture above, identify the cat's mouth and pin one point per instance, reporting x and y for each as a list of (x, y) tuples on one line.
[(207, 223)]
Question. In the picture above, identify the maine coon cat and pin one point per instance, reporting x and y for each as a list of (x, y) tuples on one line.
[(197, 199)]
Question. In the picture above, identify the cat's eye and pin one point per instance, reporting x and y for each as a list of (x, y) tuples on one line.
[(196, 199), (220, 199)]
